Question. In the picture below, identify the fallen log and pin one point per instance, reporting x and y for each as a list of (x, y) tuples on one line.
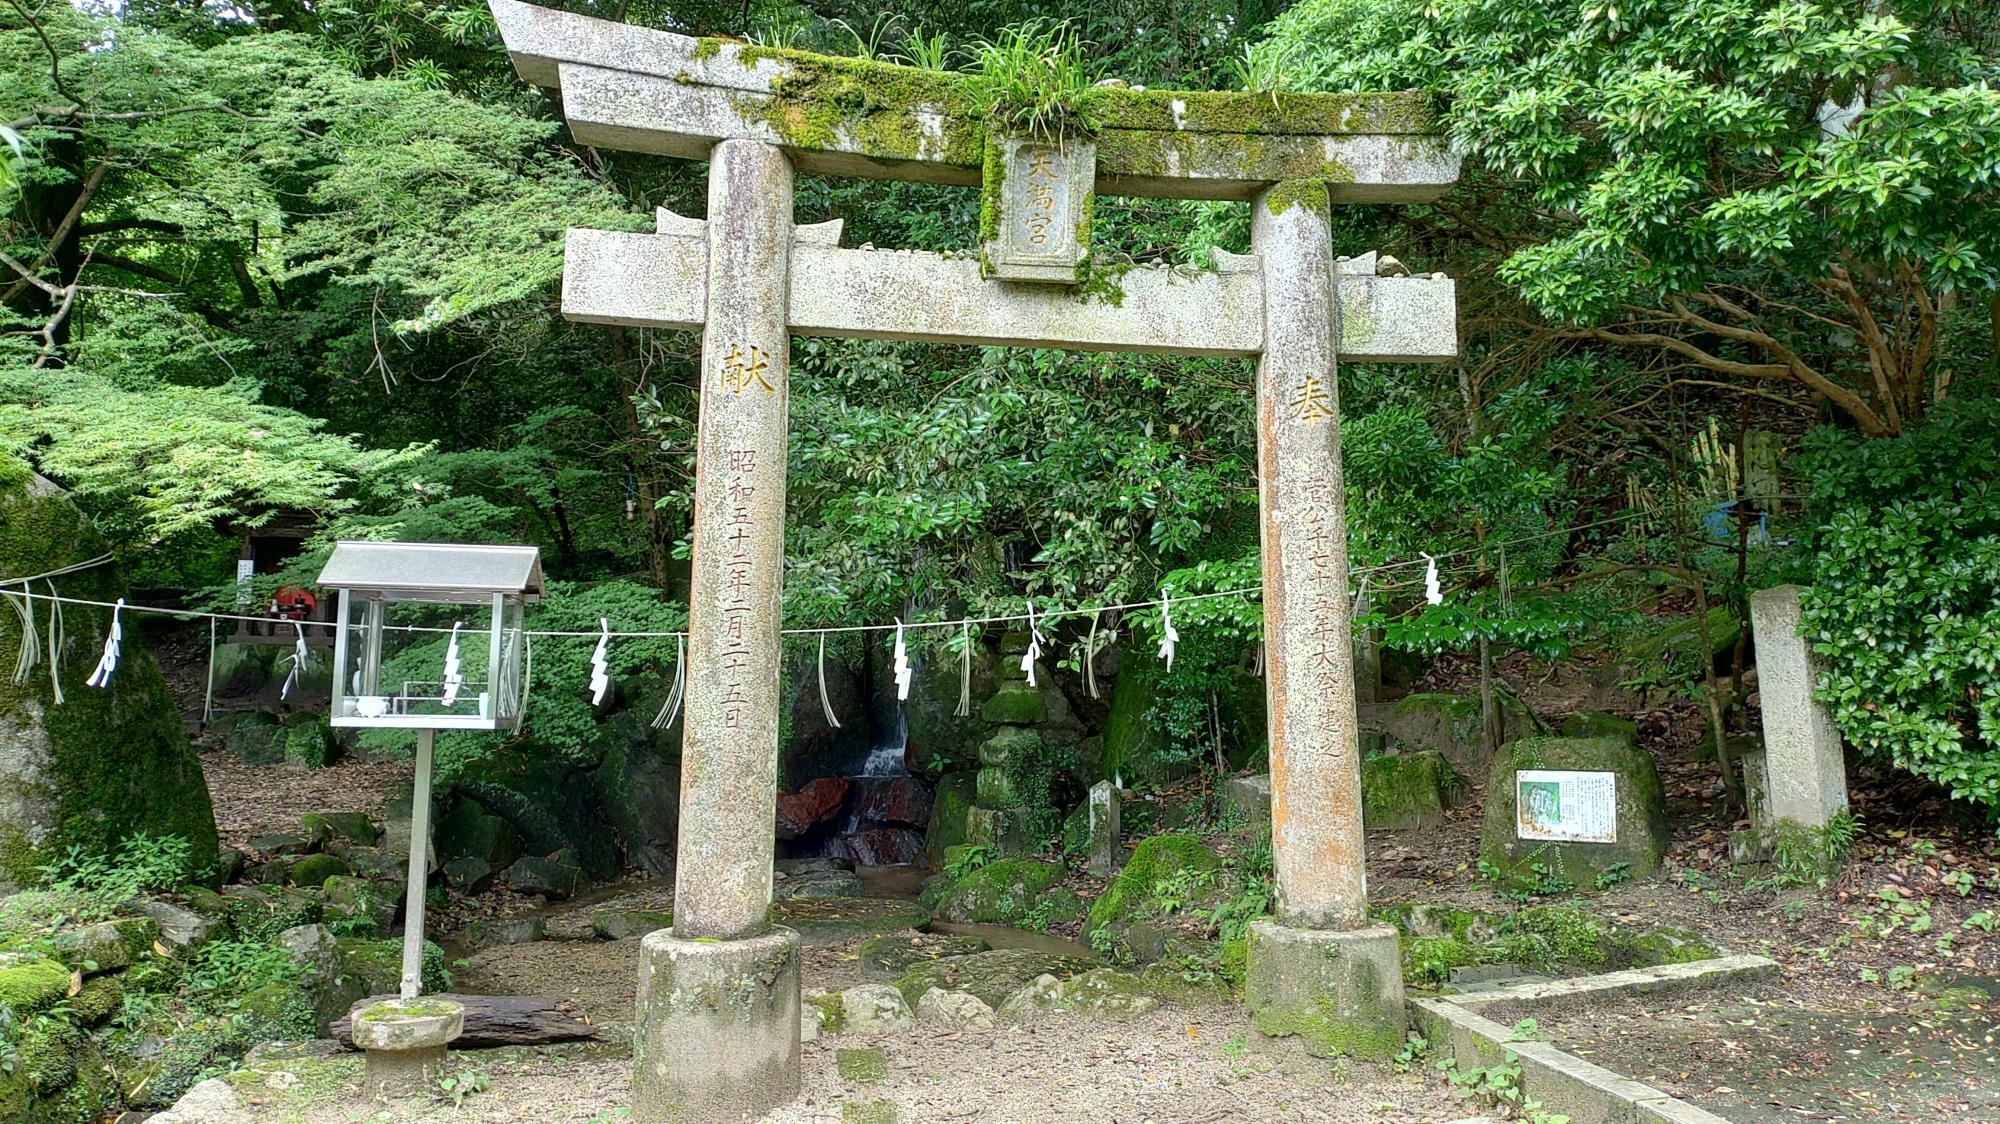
[(497, 1020)]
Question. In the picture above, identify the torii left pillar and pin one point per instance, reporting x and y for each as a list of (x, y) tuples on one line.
[(718, 1000)]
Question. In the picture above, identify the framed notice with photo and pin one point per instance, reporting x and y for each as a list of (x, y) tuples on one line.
[(1566, 807)]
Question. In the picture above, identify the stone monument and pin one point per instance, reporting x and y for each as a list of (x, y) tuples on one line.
[(718, 1008), (1802, 771)]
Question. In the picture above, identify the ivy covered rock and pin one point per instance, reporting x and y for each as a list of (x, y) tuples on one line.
[(1540, 866), (105, 764), (1405, 791), (1157, 863)]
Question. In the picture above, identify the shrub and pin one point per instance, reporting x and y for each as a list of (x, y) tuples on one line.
[(1904, 609)]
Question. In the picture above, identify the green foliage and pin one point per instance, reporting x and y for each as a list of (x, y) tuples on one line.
[(1686, 169), (966, 858), (1904, 607), (1027, 80), (224, 972), (99, 884)]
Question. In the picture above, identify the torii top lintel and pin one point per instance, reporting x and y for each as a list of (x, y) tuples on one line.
[(642, 90)]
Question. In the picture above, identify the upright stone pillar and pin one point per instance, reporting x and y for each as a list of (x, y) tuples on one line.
[(1320, 970), (1805, 773), (718, 1000)]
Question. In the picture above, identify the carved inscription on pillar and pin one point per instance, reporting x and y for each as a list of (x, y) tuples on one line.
[(1039, 193)]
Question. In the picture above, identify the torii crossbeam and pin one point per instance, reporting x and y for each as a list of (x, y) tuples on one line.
[(718, 1002)]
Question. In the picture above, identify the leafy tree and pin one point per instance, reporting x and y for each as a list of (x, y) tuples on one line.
[(1792, 197)]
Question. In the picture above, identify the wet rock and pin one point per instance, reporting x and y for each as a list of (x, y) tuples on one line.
[(891, 955), (956, 1010), (817, 803), (821, 922), (875, 1009), (883, 846), (638, 783), (812, 864), (902, 801), (817, 884), (951, 809)]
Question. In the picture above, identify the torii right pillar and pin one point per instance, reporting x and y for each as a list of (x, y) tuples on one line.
[(1319, 970)]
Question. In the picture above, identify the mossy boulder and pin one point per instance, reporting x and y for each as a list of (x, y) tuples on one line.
[(107, 763), (936, 731), (1599, 724), (313, 870), (106, 946), (951, 811), (1132, 893), (1015, 704), (1540, 866), (1451, 724), (992, 976), (355, 827), (1000, 892), (1406, 791), (310, 740), (30, 984)]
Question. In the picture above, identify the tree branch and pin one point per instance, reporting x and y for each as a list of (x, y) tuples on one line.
[(55, 56)]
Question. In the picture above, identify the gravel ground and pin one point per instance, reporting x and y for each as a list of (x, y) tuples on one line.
[(1174, 1066)]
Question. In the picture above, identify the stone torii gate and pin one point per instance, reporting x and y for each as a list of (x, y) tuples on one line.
[(718, 1002)]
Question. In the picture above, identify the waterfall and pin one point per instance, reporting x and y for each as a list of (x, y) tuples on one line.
[(886, 760)]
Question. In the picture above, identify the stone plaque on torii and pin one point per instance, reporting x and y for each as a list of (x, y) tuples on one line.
[(718, 999)]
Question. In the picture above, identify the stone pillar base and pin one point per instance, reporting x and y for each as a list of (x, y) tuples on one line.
[(405, 1040), (1341, 992), (718, 1028)]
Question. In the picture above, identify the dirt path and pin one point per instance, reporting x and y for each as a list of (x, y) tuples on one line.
[(255, 800)]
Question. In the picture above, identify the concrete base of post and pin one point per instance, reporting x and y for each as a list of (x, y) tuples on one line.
[(405, 1040), (718, 1028), (1340, 992)]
